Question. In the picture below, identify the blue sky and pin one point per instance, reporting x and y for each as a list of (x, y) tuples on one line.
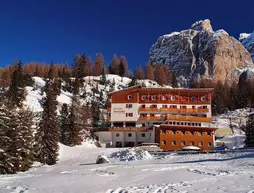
[(55, 30)]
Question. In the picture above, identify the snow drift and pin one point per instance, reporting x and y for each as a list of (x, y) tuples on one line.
[(131, 155)]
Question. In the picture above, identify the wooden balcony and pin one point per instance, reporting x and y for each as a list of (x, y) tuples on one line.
[(189, 118), (148, 109), (169, 110), (193, 110), (151, 118)]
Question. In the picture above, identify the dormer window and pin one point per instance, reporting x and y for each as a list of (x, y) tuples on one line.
[(143, 97), (129, 97), (203, 98), (153, 97), (172, 98)]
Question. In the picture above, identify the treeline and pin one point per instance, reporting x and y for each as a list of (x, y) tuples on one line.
[(26, 137), (228, 97), (118, 66), (88, 67)]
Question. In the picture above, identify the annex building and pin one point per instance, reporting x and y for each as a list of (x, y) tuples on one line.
[(171, 117)]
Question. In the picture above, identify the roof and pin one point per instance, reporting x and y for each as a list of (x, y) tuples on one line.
[(163, 90)]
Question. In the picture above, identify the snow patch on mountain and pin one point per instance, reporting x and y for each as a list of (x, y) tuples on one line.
[(247, 40)]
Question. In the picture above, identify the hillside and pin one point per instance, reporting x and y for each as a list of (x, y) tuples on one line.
[(114, 83)]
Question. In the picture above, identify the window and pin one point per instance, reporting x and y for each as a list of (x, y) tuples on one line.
[(163, 98), (143, 97), (143, 135), (164, 106), (209, 144), (129, 97), (209, 133), (182, 143), (117, 134), (192, 143), (153, 97), (173, 142), (200, 143), (173, 98), (128, 105), (129, 134), (163, 142), (129, 114), (143, 124), (193, 99), (203, 98), (199, 124)]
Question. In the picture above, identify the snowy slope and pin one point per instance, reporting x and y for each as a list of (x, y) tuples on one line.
[(76, 172), (115, 82)]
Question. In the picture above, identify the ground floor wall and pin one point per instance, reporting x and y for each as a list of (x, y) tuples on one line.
[(124, 139), (176, 140)]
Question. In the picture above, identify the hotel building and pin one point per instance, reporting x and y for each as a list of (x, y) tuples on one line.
[(171, 117)]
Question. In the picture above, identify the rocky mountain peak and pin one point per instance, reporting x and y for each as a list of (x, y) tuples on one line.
[(201, 52), (248, 42), (202, 25)]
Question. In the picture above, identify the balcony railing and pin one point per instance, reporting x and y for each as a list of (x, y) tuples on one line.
[(169, 110), (188, 110), (152, 118), (148, 109), (189, 118)]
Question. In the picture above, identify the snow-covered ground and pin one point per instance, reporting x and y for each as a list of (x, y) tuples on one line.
[(76, 172)]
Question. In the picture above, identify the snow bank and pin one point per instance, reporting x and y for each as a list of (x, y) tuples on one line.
[(131, 155)]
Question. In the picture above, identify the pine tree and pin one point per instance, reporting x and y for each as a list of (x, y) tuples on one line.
[(103, 77), (16, 139), (249, 132), (75, 118), (98, 65), (6, 159), (48, 132), (121, 69), (16, 91), (64, 124), (149, 72), (52, 73), (95, 114), (115, 65), (174, 82), (139, 73), (125, 64), (25, 139), (160, 76)]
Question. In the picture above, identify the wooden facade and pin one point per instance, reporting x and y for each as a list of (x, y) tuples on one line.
[(176, 137)]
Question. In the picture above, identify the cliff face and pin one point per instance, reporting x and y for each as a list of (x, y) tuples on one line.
[(248, 42), (201, 51)]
